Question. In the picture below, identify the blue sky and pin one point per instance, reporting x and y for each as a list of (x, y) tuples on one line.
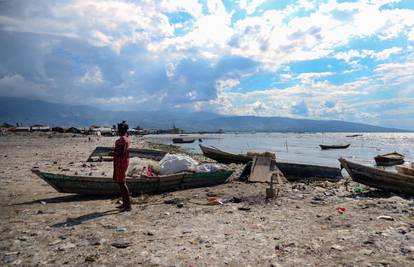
[(322, 59)]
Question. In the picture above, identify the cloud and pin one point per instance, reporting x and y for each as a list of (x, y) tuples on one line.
[(17, 86), (101, 23), (300, 108), (250, 6), (192, 7), (348, 56), (92, 77), (251, 58), (310, 76)]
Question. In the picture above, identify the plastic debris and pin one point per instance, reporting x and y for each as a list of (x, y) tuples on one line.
[(215, 200), (384, 217), (360, 189), (341, 210), (120, 229)]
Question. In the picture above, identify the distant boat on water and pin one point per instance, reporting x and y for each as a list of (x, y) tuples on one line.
[(182, 141), (325, 147), (353, 135), (389, 159)]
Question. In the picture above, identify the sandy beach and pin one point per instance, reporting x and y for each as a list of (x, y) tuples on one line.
[(311, 223)]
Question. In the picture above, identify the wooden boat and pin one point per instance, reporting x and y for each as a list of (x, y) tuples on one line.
[(404, 169), (102, 152), (389, 159), (353, 135), (224, 157), (182, 141), (136, 185), (324, 147), (292, 171), (382, 179)]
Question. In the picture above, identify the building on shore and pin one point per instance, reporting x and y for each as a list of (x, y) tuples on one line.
[(58, 130), (73, 130), (20, 129), (39, 128), (104, 131)]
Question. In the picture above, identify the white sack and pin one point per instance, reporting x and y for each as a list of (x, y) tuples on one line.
[(210, 167), (174, 163)]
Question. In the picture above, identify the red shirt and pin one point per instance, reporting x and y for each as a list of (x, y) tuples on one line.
[(121, 158)]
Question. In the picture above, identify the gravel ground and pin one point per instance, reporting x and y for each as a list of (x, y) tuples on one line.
[(311, 223)]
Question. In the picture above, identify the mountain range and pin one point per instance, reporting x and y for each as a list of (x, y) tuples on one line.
[(28, 112)]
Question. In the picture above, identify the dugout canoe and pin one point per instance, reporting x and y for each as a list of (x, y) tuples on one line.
[(224, 157), (182, 141), (353, 135), (325, 147), (405, 169), (102, 152), (389, 159), (136, 185), (292, 171), (378, 178)]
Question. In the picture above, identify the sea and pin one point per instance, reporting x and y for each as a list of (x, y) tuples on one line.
[(302, 147)]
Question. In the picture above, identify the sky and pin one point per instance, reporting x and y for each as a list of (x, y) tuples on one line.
[(347, 60)]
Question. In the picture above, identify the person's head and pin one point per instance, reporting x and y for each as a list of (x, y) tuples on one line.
[(122, 128)]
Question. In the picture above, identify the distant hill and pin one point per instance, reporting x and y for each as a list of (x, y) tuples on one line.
[(29, 112)]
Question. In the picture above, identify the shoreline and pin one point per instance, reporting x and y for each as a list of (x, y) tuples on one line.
[(40, 226)]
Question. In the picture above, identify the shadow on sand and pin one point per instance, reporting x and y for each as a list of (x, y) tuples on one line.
[(84, 218), (377, 193), (64, 199)]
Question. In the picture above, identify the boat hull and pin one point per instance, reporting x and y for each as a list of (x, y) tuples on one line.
[(325, 147), (385, 180), (224, 157), (102, 151), (389, 159), (150, 185), (292, 171), (298, 171), (181, 141)]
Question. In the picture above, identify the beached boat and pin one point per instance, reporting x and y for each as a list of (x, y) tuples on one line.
[(389, 159), (102, 152), (224, 157), (405, 169), (292, 171), (325, 147), (137, 185), (382, 179), (182, 141)]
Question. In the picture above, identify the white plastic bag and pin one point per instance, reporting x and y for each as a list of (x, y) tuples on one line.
[(210, 167), (175, 163)]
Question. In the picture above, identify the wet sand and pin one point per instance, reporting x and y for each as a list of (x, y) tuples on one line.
[(302, 227)]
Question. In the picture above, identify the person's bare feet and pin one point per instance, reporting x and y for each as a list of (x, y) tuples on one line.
[(122, 206)]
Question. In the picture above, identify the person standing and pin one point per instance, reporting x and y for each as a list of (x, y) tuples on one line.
[(121, 161)]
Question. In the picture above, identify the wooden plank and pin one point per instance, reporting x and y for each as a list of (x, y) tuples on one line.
[(261, 170)]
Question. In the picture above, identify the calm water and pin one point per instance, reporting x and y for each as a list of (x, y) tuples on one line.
[(304, 147)]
